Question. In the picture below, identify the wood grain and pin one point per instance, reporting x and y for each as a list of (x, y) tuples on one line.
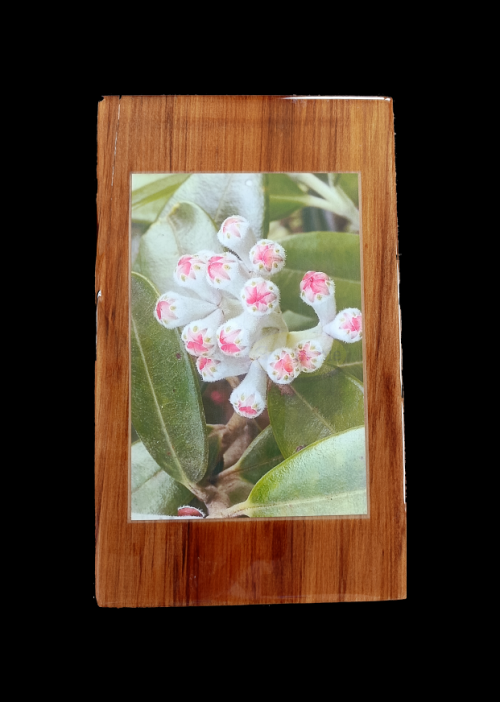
[(245, 561)]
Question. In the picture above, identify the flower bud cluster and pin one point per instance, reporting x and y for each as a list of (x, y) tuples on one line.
[(318, 290), (234, 322)]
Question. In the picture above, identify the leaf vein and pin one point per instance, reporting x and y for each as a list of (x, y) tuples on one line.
[(222, 198), (256, 465), (147, 480), (157, 406), (306, 500), (313, 409)]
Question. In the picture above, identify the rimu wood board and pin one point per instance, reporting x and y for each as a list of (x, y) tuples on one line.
[(226, 562)]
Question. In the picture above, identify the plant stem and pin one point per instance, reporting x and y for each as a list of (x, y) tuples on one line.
[(233, 511), (233, 429), (339, 202), (233, 381), (311, 201)]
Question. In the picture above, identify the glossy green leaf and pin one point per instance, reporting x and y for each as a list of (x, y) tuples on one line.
[(153, 490), (150, 198), (259, 458), (349, 357), (167, 410), (224, 194), (285, 196), (314, 407), (334, 253), (186, 229), (262, 455), (327, 478)]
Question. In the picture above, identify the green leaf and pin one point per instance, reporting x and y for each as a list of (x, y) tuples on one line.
[(224, 194), (167, 410), (186, 229), (153, 490), (262, 455), (314, 407), (327, 478), (137, 229), (214, 437), (349, 357), (141, 179), (334, 253), (285, 196), (348, 182), (149, 199)]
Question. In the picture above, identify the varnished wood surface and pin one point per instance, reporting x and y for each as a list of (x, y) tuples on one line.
[(211, 562)]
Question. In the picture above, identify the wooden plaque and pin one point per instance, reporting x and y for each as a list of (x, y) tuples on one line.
[(246, 561)]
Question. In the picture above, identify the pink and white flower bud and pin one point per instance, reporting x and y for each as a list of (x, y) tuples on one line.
[(236, 336), (260, 296), (267, 257), (190, 267), (217, 366), (237, 234), (200, 337), (174, 310), (347, 326), (191, 273), (310, 355), (318, 290), (234, 340), (249, 398), (282, 366), (226, 272)]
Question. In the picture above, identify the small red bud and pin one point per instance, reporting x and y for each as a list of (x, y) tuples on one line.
[(189, 512)]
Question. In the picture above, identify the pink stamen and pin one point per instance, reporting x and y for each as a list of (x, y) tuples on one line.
[(245, 406), (266, 255), (231, 227), (227, 341), (195, 342), (259, 296), (207, 366), (284, 367), (203, 361), (216, 269), (163, 310), (184, 267), (307, 356), (314, 283), (352, 325)]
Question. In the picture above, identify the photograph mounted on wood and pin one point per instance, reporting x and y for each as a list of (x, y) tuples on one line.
[(245, 425), (247, 392)]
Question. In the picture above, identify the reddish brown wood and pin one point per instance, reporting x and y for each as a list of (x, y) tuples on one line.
[(246, 561)]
